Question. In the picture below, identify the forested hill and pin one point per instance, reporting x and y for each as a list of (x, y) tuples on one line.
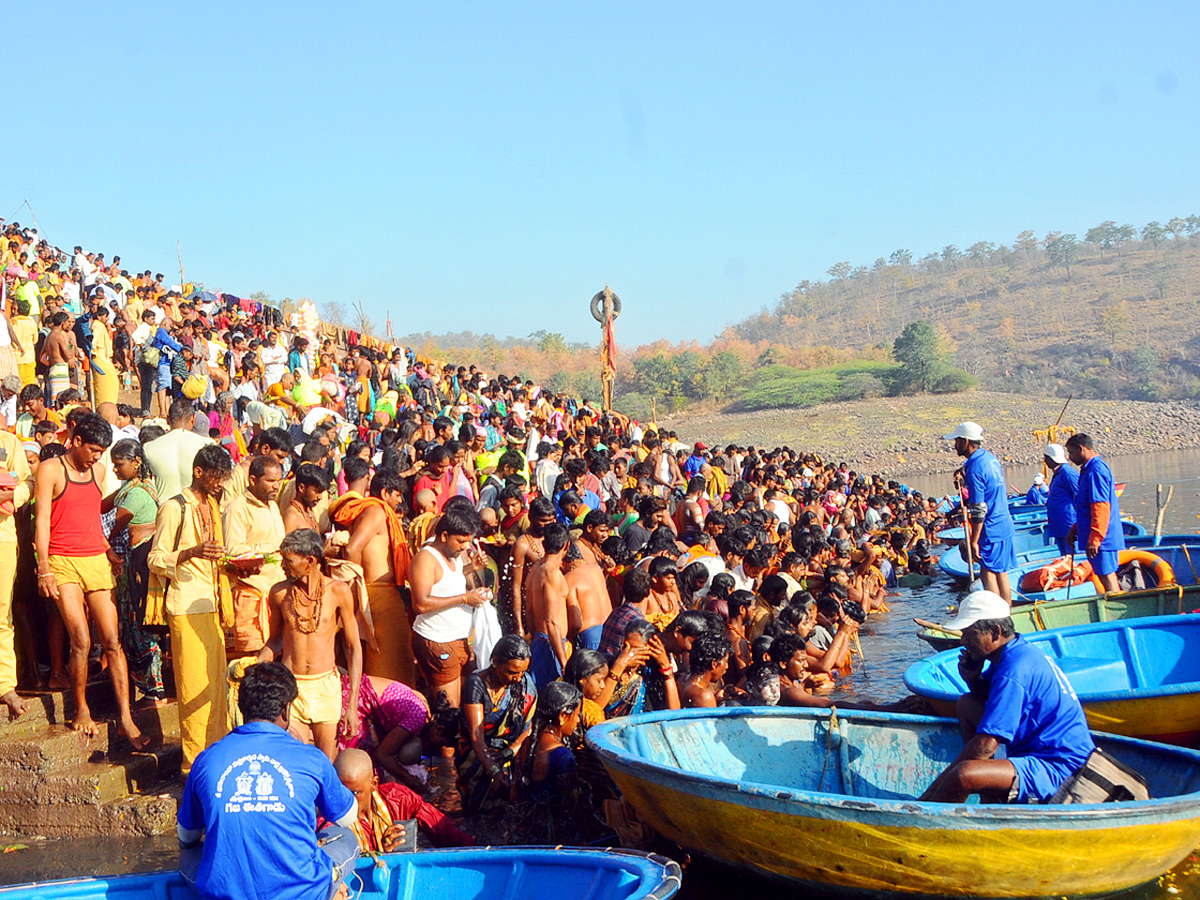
[(1114, 314)]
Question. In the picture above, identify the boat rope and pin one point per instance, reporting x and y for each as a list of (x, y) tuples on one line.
[(833, 726)]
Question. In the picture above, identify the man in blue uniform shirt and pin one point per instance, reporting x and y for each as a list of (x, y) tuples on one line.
[(991, 534), (1037, 495), (1097, 511), (254, 796), (1060, 505), (1023, 701)]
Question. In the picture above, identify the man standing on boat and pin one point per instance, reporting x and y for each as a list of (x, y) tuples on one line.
[(990, 524), (1023, 701), (1060, 505), (1097, 510)]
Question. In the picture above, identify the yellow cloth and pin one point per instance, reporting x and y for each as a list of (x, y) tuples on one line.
[(14, 461), (198, 657), (8, 647), (26, 331), (319, 699), (195, 586), (239, 480), (590, 713), (105, 383), (418, 530), (394, 657), (91, 573)]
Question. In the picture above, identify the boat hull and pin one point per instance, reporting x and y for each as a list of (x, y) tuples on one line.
[(1136, 677), (911, 848), (481, 873)]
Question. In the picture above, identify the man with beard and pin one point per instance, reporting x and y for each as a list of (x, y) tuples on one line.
[(312, 491)]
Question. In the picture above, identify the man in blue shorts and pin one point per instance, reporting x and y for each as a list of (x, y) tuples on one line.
[(254, 796), (1023, 701), (1097, 511), (991, 525)]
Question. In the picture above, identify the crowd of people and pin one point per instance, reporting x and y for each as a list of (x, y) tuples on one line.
[(324, 518)]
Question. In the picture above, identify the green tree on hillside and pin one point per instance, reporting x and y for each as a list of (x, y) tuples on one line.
[(1026, 243), (1177, 226), (1103, 236), (722, 374), (901, 258), (922, 353), (1114, 321), (840, 270), (1062, 250), (1154, 233), (1123, 235)]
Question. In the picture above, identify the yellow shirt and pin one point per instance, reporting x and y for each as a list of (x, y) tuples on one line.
[(252, 526), (194, 587)]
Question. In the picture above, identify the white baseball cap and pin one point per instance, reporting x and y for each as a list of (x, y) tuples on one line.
[(1055, 453), (1039, 478), (979, 605), (968, 430)]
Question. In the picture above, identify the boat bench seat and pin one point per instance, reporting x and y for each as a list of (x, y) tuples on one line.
[(1089, 676)]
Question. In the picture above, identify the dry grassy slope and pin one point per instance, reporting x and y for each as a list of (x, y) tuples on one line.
[(903, 434), (1018, 321)]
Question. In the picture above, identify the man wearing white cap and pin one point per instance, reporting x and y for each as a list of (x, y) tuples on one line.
[(1060, 504), (1023, 701), (1037, 495), (991, 526)]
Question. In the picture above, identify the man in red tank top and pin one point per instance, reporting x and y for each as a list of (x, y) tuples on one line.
[(75, 565)]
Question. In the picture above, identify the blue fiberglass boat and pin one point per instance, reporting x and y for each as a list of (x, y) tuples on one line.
[(1139, 677), (474, 874), (814, 798), (1033, 539)]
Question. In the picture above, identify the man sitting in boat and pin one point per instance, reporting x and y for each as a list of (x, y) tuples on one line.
[(1023, 701), (1039, 493), (254, 796)]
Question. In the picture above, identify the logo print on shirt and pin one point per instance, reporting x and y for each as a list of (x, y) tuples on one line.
[(255, 785)]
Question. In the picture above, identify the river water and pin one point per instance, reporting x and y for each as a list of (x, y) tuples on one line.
[(889, 645)]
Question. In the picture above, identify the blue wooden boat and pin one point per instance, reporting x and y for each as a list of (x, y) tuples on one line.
[(472, 874), (1033, 540), (1139, 677), (831, 800)]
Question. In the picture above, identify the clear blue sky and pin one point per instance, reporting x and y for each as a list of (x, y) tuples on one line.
[(494, 164)]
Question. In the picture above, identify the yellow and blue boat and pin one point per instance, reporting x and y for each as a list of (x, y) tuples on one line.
[(825, 799), (1138, 677)]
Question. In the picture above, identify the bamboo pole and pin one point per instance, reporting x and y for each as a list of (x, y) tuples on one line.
[(1162, 510)]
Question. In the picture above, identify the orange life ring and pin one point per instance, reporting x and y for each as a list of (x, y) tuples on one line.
[(1159, 567)]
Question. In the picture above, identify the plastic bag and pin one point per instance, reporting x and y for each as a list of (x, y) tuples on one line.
[(485, 631)]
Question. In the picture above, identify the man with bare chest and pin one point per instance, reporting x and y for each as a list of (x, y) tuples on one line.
[(379, 545), (597, 526), (59, 353), (307, 609), (588, 603), (548, 609), (527, 551)]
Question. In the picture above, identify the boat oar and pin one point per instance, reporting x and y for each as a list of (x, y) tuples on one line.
[(925, 623)]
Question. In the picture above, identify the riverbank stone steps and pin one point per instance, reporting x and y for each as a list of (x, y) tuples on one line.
[(55, 782)]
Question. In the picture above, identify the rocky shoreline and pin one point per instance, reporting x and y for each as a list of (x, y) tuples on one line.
[(902, 435)]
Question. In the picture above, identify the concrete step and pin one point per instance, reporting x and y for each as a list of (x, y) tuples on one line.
[(139, 814), (56, 708), (54, 748), (94, 783)]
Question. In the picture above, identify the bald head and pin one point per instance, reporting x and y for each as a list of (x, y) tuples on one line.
[(108, 412), (355, 769)]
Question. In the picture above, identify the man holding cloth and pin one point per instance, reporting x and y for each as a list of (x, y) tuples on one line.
[(1060, 504), (991, 533), (1097, 511), (1023, 701)]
